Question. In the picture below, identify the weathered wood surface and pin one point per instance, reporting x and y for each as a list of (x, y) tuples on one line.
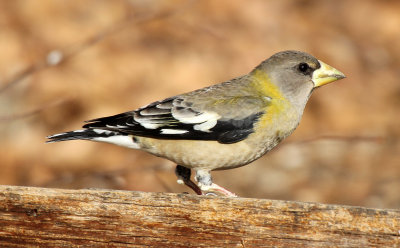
[(41, 217)]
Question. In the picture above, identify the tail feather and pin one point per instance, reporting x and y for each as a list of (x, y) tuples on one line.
[(84, 134), (99, 135)]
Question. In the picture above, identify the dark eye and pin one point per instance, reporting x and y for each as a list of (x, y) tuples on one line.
[(304, 67)]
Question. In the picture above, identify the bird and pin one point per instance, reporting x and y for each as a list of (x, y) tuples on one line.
[(219, 127)]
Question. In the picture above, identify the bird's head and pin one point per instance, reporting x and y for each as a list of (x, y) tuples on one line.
[(296, 74)]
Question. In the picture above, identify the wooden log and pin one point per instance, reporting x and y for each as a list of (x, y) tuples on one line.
[(42, 217)]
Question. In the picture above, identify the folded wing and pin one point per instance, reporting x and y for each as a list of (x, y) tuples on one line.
[(179, 118)]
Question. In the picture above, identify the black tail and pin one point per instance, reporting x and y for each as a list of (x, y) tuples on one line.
[(84, 134)]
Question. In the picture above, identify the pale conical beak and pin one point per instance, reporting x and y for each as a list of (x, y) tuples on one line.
[(326, 74)]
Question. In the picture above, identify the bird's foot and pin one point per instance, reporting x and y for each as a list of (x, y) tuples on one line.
[(205, 185), (204, 182), (191, 185), (208, 190), (183, 175)]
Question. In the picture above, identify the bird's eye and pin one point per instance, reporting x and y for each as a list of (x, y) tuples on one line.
[(304, 67)]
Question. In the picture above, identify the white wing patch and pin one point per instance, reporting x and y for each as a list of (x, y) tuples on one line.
[(148, 123), (205, 126), (195, 118), (101, 131), (168, 116), (204, 121), (173, 131)]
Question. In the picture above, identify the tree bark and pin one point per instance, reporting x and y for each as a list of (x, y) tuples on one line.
[(42, 217)]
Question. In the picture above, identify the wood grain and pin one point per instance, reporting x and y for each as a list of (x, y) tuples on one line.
[(42, 217)]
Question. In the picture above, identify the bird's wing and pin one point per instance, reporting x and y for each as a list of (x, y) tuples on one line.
[(226, 120)]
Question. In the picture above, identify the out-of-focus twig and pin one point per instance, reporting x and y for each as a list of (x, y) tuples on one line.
[(59, 56), (21, 75), (34, 111)]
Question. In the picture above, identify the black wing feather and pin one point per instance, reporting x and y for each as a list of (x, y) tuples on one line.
[(160, 113)]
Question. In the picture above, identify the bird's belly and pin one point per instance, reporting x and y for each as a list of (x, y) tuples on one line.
[(212, 155), (209, 155)]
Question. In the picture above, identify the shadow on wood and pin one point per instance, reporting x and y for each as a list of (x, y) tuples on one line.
[(65, 218)]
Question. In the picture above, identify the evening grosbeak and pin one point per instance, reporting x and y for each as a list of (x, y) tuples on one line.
[(220, 127)]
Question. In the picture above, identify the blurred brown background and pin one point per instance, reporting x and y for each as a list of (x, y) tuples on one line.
[(115, 56)]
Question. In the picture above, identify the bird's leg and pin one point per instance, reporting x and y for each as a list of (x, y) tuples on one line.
[(205, 183), (183, 175)]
